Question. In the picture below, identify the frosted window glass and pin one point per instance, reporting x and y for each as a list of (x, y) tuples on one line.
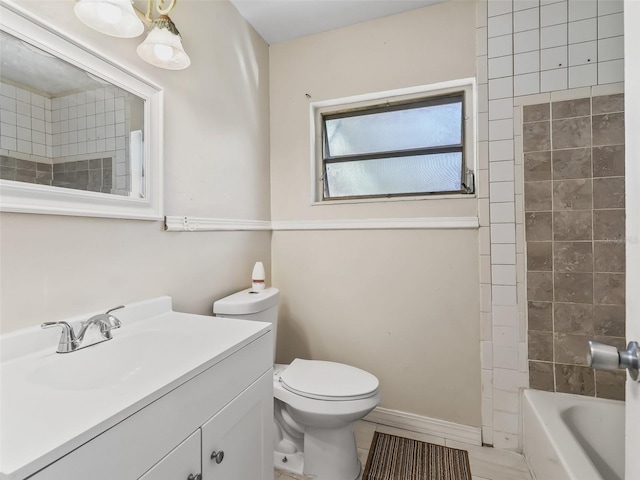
[(423, 127), (400, 175)]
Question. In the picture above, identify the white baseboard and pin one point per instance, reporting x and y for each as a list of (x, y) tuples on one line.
[(426, 425)]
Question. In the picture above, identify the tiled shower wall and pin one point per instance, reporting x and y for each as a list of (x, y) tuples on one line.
[(528, 52), (574, 198), (94, 175), (78, 127)]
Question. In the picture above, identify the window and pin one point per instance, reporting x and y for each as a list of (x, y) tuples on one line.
[(389, 148)]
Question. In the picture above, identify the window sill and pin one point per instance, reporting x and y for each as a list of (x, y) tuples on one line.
[(422, 198)]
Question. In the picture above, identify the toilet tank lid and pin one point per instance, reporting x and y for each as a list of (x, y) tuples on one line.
[(247, 301)]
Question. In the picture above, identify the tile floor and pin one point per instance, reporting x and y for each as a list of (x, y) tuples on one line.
[(486, 463)]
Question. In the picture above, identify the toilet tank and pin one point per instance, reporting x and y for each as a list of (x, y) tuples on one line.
[(249, 304)]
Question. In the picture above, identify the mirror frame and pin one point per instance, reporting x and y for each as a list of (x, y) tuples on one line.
[(44, 199)]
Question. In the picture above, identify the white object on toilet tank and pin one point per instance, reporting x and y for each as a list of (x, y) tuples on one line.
[(258, 277)]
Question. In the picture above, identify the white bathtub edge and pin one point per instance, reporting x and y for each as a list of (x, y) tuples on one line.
[(549, 446)]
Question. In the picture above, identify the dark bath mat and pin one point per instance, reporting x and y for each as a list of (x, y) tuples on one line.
[(397, 458)]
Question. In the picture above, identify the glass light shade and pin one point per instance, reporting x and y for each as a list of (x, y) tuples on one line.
[(163, 48), (112, 17)]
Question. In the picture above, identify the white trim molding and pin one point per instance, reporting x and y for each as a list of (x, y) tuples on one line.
[(194, 224), (419, 223), (426, 425)]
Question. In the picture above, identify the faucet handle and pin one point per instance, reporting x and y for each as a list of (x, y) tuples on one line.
[(68, 341), (114, 308)]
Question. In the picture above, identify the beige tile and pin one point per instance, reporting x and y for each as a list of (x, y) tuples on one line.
[(540, 286), (537, 166), (575, 379), (572, 163), (282, 475), (610, 384), (573, 287), (537, 196), (408, 434), (572, 225), (536, 136), (572, 257), (608, 104), (608, 192), (539, 256), (609, 320), (609, 225), (536, 113), (492, 463), (571, 108), (572, 194), (540, 316), (572, 133), (573, 318), (608, 129), (538, 226), (540, 346), (607, 89), (364, 433), (486, 463), (608, 161), (363, 455), (541, 376), (609, 257), (571, 349), (609, 288)]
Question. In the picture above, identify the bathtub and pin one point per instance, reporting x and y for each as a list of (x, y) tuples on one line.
[(570, 437)]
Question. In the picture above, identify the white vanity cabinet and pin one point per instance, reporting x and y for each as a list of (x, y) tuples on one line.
[(181, 464), (223, 406), (234, 444), (237, 442)]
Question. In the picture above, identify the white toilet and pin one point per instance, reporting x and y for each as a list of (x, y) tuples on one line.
[(315, 402)]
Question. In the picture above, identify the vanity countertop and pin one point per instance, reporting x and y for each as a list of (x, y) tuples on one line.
[(51, 403)]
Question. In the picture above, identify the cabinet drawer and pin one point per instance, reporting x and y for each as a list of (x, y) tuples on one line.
[(133, 446), (184, 460)]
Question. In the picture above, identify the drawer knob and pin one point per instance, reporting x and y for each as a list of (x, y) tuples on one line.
[(194, 477), (218, 456)]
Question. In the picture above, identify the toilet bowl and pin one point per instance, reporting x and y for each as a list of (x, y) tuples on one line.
[(315, 402)]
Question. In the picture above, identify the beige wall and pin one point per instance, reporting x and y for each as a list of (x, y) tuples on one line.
[(216, 153), (402, 304)]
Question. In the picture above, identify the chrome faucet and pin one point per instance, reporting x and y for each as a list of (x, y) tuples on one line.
[(70, 342)]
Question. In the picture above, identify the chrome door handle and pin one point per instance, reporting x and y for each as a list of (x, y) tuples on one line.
[(608, 357), (194, 477)]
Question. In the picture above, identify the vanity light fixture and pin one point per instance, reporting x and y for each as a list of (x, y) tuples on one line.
[(111, 17), (163, 46), (119, 18)]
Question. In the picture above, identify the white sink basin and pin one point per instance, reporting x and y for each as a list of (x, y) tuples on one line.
[(106, 364), (51, 403)]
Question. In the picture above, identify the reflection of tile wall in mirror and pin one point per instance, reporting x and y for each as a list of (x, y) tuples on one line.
[(66, 130), (76, 118)]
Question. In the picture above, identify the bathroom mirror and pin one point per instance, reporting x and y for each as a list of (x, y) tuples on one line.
[(79, 135)]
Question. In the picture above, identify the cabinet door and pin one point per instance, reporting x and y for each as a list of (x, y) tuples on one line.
[(182, 463), (237, 441)]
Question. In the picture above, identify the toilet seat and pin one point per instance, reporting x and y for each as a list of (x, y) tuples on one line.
[(329, 381)]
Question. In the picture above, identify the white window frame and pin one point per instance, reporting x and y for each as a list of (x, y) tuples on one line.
[(317, 109)]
